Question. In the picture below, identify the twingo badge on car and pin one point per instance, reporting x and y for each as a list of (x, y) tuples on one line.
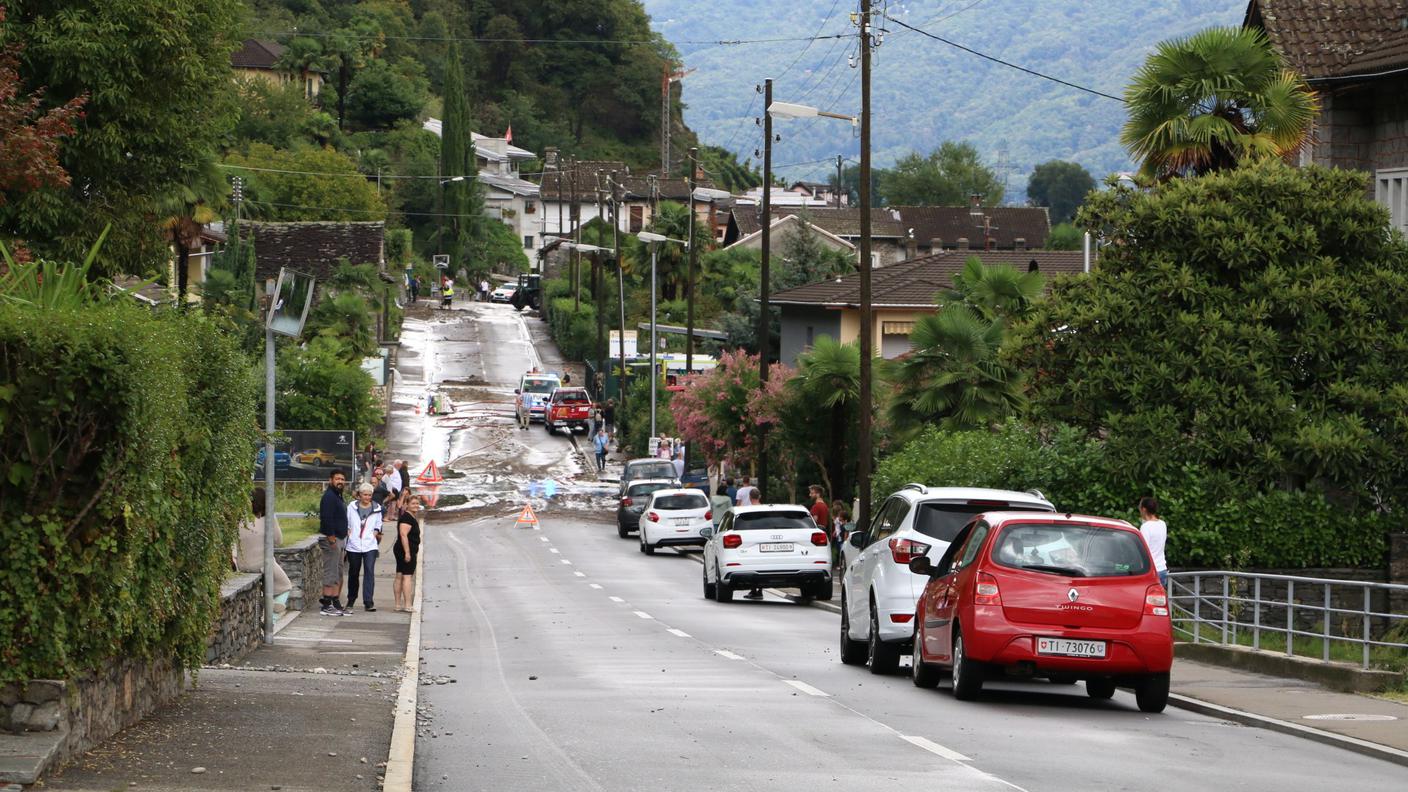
[(1065, 597)]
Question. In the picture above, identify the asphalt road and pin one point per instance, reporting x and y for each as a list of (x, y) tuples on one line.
[(572, 662)]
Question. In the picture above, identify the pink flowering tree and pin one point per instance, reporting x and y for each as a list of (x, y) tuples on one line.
[(712, 412)]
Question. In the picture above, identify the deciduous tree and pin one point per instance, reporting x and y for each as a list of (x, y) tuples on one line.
[(1060, 186), (946, 176)]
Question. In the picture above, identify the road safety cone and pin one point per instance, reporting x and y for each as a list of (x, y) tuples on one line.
[(526, 517), (431, 475)]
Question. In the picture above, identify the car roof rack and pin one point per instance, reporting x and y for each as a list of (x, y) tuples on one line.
[(914, 485)]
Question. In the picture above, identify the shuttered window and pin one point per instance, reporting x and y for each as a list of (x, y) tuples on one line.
[(1391, 190)]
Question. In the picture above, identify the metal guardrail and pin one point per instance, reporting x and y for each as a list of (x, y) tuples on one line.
[(1213, 606)]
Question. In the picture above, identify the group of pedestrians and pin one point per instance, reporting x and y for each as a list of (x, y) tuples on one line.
[(352, 534)]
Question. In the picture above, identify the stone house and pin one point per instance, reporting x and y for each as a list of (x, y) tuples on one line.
[(900, 294), (315, 248), (1355, 56), (259, 59), (793, 224)]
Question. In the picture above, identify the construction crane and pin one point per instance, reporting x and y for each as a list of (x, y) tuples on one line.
[(668, 78)]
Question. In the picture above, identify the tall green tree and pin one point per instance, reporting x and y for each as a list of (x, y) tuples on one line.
[(956, 376), (457, 166), (827, 383), (157, 77), (283, 188), (946, 176), (1213, 99), (1252, 322), (1059, 186)]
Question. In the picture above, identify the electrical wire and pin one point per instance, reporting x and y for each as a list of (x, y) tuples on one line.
[(1008, 64), (825, 19), (571, 42)]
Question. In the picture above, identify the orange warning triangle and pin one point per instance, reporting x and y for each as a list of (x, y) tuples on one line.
[(431, 475), (526, 517)]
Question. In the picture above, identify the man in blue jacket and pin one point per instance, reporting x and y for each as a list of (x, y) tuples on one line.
[(332, 524)]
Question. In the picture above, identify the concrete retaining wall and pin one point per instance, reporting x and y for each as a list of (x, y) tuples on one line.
[(1336, 676), (241, 619)]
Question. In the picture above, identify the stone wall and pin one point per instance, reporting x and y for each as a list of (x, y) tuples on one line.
[(1364, 127), (303, 563), (241, 619)]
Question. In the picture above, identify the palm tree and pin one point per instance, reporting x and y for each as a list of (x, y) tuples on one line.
[(183, 213), (954, 376), (828, 377), (997, 291), (1211, 100)]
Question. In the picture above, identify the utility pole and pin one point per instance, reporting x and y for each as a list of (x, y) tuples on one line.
[(620, 292), (693, 263), (572, 216), (867, 355), (599, 298), (838, 181), (764, 317)]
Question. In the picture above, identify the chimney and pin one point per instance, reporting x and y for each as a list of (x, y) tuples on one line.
[(1020, 243), (963, 243), (936, 245), (911, 248)]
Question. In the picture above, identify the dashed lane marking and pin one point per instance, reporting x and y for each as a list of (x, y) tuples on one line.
[(808, 689), (644, 615), (565, 561), (934, 748), (680, 633), (544, 539), (617, 599), (727, 654), (553, 550), (595, 585), (580, 574)]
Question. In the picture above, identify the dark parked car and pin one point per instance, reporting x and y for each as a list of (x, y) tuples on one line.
[(646, 468), (633, 502)]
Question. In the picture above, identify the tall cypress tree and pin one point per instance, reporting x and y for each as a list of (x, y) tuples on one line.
[(457, 159)]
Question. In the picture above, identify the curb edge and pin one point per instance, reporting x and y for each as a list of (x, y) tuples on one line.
[(401, 757)]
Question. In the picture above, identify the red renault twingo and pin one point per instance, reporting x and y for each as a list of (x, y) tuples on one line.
[(1066, 597)]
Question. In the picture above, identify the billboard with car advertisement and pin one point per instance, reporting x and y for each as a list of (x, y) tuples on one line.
[(310, 455)]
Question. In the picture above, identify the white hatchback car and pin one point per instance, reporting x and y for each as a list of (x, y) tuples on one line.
[(878, 592), (674, 518), (767, 545)]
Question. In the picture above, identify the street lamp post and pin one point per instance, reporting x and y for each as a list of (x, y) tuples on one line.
[(695, 194), (654, 240), (866, 319)]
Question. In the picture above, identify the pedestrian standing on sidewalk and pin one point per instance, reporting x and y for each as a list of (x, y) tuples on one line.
[(406, 549), (415, 289), (840, 515), (609, 415), (678, 461), (820, 514), (249, 551), (601, 442), (740, 495), (754, 499), (447, 294), (363, 545), (483, 290), (332, 525), (395, 485), (1155, 532)]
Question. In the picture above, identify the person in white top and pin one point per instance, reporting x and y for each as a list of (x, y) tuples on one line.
[(740, 497), (1155, 532), (363, 540)]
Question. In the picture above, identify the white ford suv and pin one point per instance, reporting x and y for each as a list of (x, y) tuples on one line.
[(878, 592), (770, 545)]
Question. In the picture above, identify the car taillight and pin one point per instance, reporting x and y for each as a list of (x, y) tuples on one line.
[(987, 593), (708, 515), (905, 550), (1155, 601), (818, 538), (732, 540), (653, 517), (625, 501)]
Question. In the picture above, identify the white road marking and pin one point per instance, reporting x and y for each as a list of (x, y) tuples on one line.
[(808, 689), (544, 539), (553, 550), (644, 615), (680, 633), (726, 653), (934, 748), (580, 574), (617, 599), (595, 585), (565, 561), (287, 637)]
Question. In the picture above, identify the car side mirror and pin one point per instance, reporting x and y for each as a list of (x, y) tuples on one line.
[(922, 566), (856, 539), (706, 532)]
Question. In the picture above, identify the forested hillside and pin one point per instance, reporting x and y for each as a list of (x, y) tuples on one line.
[(926, 92)]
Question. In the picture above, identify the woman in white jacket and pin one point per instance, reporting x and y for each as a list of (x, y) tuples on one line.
[(363, 540)]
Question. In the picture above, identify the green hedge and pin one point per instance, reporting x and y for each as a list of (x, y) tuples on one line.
[(1213, 520), (574, 330), (125, 461)]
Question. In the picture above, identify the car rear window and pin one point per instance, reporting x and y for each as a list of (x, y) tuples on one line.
[(763, 521), (943, 521), (1071, 549), (653, 470), (571, 397), (539, 386), (637, 490), (682, 502)]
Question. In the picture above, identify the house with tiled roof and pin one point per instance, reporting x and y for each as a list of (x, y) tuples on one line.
[(315, 248), (975, 227), (794, 224), (900, 294), (259, 59), (1354, 53)]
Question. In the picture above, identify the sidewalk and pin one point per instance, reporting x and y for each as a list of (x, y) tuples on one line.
[(312, 712)]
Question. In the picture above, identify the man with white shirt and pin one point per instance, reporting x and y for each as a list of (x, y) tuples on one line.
[(1155, 532)]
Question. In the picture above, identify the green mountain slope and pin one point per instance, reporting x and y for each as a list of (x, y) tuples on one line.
[(925, 92)]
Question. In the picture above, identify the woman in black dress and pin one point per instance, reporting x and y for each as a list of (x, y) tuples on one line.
[(406, 551)]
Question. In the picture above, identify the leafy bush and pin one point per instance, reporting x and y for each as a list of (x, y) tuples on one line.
[(1214, 520), (319, 389), (125, 462), (574, 329)]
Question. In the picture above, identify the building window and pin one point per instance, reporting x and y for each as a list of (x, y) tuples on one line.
[(896, 328), (811, 331), (637, 219), (528, 243), (529, 207), (1391, 190)]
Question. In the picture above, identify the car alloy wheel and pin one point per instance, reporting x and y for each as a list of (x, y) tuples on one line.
[(967, 673), (723, 592), (708, 587), (884, 657), (852, 651), (921, 673)]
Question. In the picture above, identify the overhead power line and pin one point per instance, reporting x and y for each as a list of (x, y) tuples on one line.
[(1008, 64), (573, 42)]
